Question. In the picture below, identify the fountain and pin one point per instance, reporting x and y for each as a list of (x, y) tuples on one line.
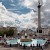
[(25, 38)]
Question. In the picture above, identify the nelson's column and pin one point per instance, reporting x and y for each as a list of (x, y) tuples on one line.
[(39, 29)]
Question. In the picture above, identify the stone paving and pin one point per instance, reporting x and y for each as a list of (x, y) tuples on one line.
[(15, 48), (8, 48)]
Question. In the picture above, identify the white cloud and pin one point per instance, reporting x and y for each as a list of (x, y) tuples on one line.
[(5, 15), (13, 5), (28, 3), (32, 4)]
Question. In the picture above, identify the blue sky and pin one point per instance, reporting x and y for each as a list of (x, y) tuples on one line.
[(15, 6)]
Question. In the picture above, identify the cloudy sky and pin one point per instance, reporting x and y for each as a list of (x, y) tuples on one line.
[(24, 12), (21, 6)]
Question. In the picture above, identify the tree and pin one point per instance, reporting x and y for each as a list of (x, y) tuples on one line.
[(5, 31), (10, 32), (1, 33)]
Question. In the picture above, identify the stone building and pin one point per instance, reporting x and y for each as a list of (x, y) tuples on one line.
[(45, 31)]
